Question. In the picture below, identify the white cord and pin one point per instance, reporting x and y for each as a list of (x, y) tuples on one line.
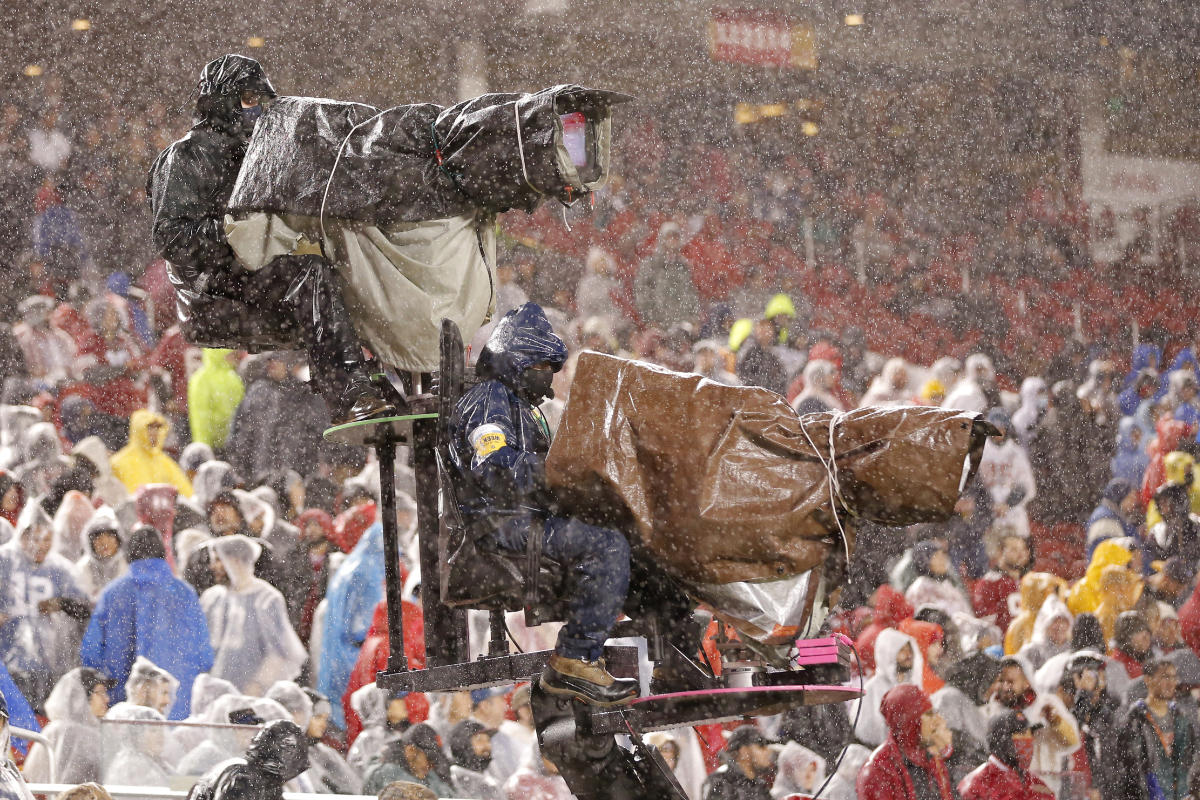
[(333, 171), (521, 152), (835, 492)]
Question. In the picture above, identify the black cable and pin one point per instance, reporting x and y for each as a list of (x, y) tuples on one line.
[(857, 712), (511, 638)]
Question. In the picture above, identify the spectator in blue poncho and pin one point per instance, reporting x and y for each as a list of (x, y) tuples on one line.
[(354, 591), (149, 612), (20, 714), (1131, 459)]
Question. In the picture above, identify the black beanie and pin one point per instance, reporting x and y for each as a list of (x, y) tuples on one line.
[(145, 542)]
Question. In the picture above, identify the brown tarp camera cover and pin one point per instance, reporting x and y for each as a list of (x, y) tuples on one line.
[(727, 484)]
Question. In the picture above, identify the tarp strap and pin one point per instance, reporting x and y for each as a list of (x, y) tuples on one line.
[(437, 157), (835, 490), (521, 150)]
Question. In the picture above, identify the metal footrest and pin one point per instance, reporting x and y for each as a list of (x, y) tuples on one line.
[(622, 662)]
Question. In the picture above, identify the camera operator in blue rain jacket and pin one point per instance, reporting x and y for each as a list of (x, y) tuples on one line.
[(498, 444)]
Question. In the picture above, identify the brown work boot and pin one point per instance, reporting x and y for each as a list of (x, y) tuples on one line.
[(360, 401), (588, 681)]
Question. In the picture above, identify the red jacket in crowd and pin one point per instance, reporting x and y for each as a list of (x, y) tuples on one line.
[(989, 597), (373, 657), (992, 780), (890, 609), (885, 776)]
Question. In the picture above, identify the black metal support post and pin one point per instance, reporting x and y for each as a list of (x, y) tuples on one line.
[(385, 450)]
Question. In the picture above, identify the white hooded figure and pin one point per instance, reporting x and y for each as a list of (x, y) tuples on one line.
[(1035, 401), (72, 517), (1051, 633), (44, 461), (105, 486), (149, 686), (279, 534), (135, 736), (102, 561), (1006, 473), (206, 690), (968, 394), (370, 703), (680, 748), (289, 695), (800, 771), (327, 771), (841, 785), (892, 387), (234, 719), (74, 709), (211, 479), (38, 641), (248, 622), (15, 422), (12, 784), (893, 650)]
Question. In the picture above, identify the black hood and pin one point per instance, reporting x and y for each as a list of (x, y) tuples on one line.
[(523, 337), (279, 749), (221, 82)]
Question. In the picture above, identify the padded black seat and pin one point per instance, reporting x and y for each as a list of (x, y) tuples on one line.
[(474, 575)]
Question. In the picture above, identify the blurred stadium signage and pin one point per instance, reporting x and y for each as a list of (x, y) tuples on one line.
[(760, 38)]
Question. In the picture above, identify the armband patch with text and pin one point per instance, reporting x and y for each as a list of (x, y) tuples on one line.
[(487, 439)]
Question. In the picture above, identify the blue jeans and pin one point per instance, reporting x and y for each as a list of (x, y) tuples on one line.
[(598, 564)]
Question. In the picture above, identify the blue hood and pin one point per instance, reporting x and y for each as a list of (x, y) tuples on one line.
[(522, 338)]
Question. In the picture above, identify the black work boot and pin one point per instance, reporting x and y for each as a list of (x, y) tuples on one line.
[(361, 400), (588, 681)]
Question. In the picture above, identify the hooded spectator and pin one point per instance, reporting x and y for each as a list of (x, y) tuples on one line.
[(328, 771), (799, 773), (1007, 474), (1113, 518), (44, 461), (74, 708), (1035, 588), (40, 606), (935, 584), (598, 286), (897, 660), (1085, 594), (1133, 643), (278, 424), (909, 763), (383, 716), (1131, 460), (315, 528), (892, 386), (1170, 434), (12, 784), (1056, 735), (129, 730), (1051, 633), (103, 562), (253, 641), (976, 390), (354, 591), (277, 754), (214, 393), (81, 419), (149, 612), (1034, 403), (70, 520), (890, 608), (820, 385), (1005, 775), (195, 455), (213, 478), (416, 757), (143, 461), (663, 290), (105, 486), (961, 701), (373, 658), (471, 750), (1120, 589), (48, 350), (849, 763)]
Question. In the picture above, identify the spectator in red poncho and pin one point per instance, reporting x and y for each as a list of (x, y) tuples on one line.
[(909, 764), (351, 524), (373, 657), (1005, 775), (890, 608), (316, 529), (1170, 433)]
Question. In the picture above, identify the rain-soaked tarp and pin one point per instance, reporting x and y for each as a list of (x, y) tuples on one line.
[(727, 485), (420, 162)]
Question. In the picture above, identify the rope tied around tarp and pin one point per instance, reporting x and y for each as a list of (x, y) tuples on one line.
[(836, 499), (441, 164)]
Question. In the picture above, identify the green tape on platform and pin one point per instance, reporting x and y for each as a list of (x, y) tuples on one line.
[(349, 426)]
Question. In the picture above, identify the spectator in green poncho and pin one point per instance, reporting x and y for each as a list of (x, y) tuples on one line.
[(214, 393)]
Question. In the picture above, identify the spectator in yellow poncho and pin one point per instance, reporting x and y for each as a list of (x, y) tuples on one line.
[(143, 461), (1085, 594), (1035, 588)]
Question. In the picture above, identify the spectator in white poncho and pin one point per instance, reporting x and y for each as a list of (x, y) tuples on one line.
[(253, 640), (103, 562), (136, 744), (79, 700)]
